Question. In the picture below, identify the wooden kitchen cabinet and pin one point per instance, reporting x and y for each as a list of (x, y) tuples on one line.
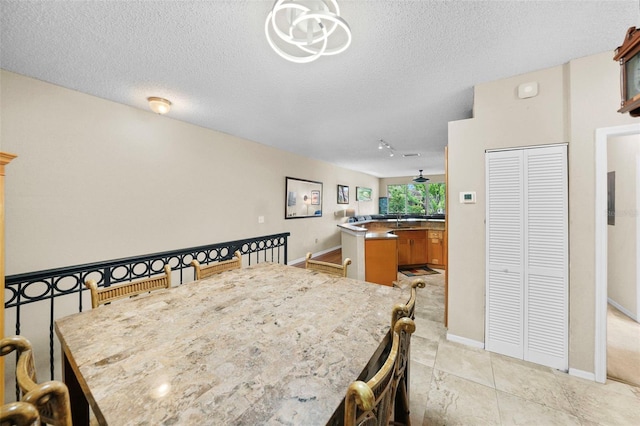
[(381, 260), (412, 247), (435, 248)]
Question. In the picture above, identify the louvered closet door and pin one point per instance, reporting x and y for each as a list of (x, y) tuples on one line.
[(504, 226), (527, 256), (546, 254)]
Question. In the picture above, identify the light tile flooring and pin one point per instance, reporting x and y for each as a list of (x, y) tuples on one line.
[(454, 384)]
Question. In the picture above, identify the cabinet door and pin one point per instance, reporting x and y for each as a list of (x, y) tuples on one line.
[(435, 244), (381, 261), (404, 248), (419, 247)]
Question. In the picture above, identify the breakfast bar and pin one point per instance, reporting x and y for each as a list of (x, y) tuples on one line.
[(264, 344), (378, 245)]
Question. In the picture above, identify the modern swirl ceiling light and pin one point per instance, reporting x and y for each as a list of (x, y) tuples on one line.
[(302, 31)]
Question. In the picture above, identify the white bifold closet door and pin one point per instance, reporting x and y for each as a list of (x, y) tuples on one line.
[(527, 255)]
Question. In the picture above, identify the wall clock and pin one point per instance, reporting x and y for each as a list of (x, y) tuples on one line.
[(629, 57)]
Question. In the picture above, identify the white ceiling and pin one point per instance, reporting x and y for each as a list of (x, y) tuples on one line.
[(410, 68)]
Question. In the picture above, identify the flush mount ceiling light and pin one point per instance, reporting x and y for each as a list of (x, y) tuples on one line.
[(420, 179), (301, 31), (159, 105)]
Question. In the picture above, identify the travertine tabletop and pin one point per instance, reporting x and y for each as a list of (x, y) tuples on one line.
[(268, 344)]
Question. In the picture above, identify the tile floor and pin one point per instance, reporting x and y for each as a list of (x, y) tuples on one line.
[(454, 384)]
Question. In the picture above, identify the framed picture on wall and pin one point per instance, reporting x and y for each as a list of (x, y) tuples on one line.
[(303, 198), (315, 198), (363, 194), (343, 194)]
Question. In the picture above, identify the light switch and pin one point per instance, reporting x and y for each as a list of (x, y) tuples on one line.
[(260, 219)]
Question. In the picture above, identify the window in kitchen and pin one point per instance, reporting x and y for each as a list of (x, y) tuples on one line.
[(417, 198)]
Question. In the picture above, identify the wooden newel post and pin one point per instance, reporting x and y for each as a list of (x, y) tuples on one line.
[(5, 158)]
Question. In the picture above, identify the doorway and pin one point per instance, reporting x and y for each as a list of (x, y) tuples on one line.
[(623, 276), (603, 136)]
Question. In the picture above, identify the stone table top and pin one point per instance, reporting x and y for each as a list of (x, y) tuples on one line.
[(267, 344)]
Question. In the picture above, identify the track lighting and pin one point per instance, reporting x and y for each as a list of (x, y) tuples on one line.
[(383, 145)]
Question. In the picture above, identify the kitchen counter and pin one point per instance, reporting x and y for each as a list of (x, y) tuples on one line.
[(377, 226), (412, 247), (379, 236)]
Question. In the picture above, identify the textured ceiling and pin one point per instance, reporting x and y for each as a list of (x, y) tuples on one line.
[(410, 68)]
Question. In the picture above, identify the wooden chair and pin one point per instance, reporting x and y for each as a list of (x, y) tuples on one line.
[(19, 414), (409, 309), (103, 295), (326, 267), (21, 346), (206, 271), (373, 402), (51, 399)]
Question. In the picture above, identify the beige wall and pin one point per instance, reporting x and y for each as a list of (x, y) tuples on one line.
[(501, 120), (595, 98), (573, 101), (623, 157), (97, 180)]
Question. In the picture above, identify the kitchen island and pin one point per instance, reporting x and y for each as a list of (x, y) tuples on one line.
[(379, 246)]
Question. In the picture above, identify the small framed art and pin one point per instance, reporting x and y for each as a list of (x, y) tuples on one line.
[(363, 194), (343, 194)]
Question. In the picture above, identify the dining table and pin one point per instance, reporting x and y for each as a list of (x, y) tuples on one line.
[(265, 344)]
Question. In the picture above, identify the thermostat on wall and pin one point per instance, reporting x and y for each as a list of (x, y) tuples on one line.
[(468, 197)]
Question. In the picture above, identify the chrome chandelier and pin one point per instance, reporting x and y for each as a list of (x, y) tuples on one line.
[(302, 31)]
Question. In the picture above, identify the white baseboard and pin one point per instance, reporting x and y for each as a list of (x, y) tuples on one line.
[(622, 309), (315, 253), (465, 341), (582, 374)]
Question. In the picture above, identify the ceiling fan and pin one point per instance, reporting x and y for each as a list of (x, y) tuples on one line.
[(420, 179)]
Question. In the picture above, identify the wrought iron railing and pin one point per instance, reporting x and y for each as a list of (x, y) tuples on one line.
[(44, 288)]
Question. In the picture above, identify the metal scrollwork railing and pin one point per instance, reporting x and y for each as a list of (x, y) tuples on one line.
[(44, 288)]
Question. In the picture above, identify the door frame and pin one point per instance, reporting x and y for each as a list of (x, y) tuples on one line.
[(601, 240)]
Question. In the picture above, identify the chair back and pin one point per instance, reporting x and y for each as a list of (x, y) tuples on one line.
[(51, 399), (411, 304), (326, 267), (372, 403), (103, 295), (19, 414), (22, 347), (202, 272)]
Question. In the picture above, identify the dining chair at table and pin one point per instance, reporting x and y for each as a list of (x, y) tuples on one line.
[(50, 399), (326, 267), (19, 413), (373, 402), (408, 309), (206, 271), (411, 304), (22, 346), (103, 295)]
